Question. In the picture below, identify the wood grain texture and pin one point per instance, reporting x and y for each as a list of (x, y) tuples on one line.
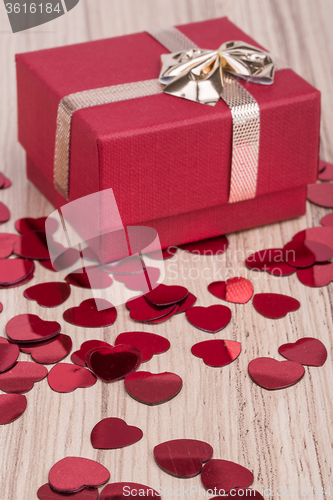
[(285, 437)]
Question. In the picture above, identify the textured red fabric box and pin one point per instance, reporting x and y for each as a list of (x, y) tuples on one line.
[(168, 160)]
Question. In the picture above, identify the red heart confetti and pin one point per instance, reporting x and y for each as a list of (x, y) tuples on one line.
[(65, 377), (316, 276), (225, 476), (272, 374), (21, 377), (241, 493), (111, 433), (12, 406), (7, 183), (51, 351), (182, 457), (8, 354), (298, 254), (235, 290), (14, 271), (31, 328), (7, 244), (217, 352), (321, 194), (322, 253), (130, 491), (185, 304), (325, 171), (50, 294), (164, 318), (28, 224), (148, 343), (164, 295), (143, 282), (144, 312), (327, 220), (307, 351), (113, 363), (153, 388), (270, 260), (89, 277), (32, 245), (319, 234), (4, 213), (19, 283), (210, 319), (210, 246), (72, 474), (88, 315), (275, 305), (46, 493), (78, 357)]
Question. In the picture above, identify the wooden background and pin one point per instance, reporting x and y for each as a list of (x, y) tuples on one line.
[(285, 437)]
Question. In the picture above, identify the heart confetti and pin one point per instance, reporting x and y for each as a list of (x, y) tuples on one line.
[(65, 377), (89, 277), (14, 271), (270, 260), (325, 171), (164, 295), (21, 377), (217, 352), (72, 474), (7, 241), (272, 374), (322, 253), (153, 388), (235, 290), (148, 343), (185, 304), (7, 183), (12, 406), (316, 276), (113, 363), (327, 220), (275, 305), (144, 312), (210, 246), (298, 254), (50, 352), (19, 283), (210, 319), (182, 457), (46, 493), (88, 315), (78, 357), (50, 294), (32, 245), (322, 235), (129, 491), (31, 328), (321, 194), (307, 351), (225, 476), (8, 354), (4, 213), (164, 318), (28, 224), (111, 433)]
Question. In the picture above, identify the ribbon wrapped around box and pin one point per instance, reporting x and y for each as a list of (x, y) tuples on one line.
[(98, 115)]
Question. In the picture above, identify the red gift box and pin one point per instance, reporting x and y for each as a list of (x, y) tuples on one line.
[(168, 160)]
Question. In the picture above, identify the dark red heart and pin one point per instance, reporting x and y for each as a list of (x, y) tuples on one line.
[(185, 304), (21, 377), (235, 290), (32, 245), (307, 351), (225, 476), (322, 253), (113, 363), (272, 374), (12, 406), (15, 270), (89, 277), (4, 213), (89, 315), (316, 276), (217, 352), (78, 357), (111, 433), (323, 235), (270, 260), (19, 283), (50, 294), (148, 343), (321, 194), (31, 328), (164, 318), (7, 244), (164, 295), (153, 388), (142, 311), (8, 354), (298, 254), (65, 377), (46, 493), (129, 491), (72, 474), (210, 246), (325, 171), (28, 224), (182, 457), (50, 352), (275, 305), (210, 319), (327, 220)]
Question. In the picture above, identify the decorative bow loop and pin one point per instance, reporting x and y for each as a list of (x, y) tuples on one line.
[(198, 75)]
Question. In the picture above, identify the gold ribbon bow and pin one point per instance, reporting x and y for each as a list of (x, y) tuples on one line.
[(198, 75)]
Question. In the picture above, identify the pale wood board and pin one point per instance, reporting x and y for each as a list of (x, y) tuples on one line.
[(285, 437)]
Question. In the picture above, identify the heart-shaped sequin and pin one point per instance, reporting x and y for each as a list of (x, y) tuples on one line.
[(21, 377), (316, 276), (235, 290), (217, 352), (270, 260), (142, 311), (50, 294), (32, 245), (327, 220), (46, 493), (321, 194), (307, 351), (325, 171), (164, 318), (15, 270), (12, 406), (225, 476), (153, 388), (72, 474), (8, 354), (65, 377), (31, 328), (272, 374), (129, 491), (111, 433), (7, 241), (323, 235), (185, 304), (79, 357), (275, 305), (182, 457), (148, 343), (113, 363), (322, 253), (4, 213), (210, 319), (89, 277), (210, 246), (164, 295), (88, 315), (298, 254), (28, 224), (49, 352)]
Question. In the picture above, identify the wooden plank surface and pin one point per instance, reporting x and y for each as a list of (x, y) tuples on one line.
[(285, 437)]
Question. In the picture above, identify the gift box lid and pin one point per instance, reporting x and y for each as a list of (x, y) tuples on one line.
[(162, 155)]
